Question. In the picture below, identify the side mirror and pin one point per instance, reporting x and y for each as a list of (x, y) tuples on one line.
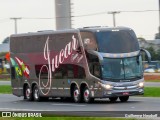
[(100, 57), (147, 54)]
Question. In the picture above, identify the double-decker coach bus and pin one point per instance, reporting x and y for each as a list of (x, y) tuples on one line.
[(85, 63)]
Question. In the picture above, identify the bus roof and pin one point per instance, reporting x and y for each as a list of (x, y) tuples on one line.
[(45, 32), (101, 28), (89, 29)]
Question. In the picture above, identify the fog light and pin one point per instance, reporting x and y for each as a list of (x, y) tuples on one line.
[(141, 84), (109, 93), (141, 90)]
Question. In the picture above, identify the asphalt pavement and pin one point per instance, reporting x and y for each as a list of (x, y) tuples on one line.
[(152, 84), (5, 82), (101, 107)]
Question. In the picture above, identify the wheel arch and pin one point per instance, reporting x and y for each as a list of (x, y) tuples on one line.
[(82, 86), (33, 84)]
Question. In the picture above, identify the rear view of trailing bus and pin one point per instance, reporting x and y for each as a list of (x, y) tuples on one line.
[(81, 64)]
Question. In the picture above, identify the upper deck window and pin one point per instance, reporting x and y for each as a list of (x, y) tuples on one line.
[(119, 41), (89, 41)]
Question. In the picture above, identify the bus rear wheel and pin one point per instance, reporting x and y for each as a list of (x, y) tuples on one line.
[(124, 98), (76, 95), (113, 99), (86, 96), (36, 95), (28, 94)]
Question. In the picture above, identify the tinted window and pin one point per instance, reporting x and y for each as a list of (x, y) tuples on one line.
[(64, 71), (36, 43), (27, 44), (122, 41), (93, 63), (89, 40), (122, 68)]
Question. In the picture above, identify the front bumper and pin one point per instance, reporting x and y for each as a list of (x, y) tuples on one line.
[(117, 93)]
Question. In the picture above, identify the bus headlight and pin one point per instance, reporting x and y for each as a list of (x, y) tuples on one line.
[(107, 86), (141, 84)]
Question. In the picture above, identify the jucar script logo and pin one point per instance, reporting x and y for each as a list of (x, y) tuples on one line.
[(53, 63)]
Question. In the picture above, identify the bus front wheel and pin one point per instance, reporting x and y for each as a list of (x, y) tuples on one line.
[(124, 98)]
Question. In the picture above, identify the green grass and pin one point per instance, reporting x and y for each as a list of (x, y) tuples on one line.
[(152, 92), (5, 89), (69, 118)]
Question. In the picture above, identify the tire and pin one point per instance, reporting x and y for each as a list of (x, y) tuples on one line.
[(113, 99), (36, 95), (28, 94), (76, 96), (86, 96), (124, 98)]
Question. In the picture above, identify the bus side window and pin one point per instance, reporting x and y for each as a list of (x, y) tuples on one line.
[(89, 40), (70, 74), (75, 72), (43, 74), (96, 70), (58, 75)]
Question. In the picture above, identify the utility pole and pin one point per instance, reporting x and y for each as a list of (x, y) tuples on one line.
[(114, 18), (63, 14), (15, 23), (159, 22)]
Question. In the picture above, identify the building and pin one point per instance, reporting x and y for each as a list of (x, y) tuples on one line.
[(4, 47), (149, 43)]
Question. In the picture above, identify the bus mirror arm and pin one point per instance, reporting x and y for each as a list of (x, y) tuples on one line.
[(100, 57), (147, 54)]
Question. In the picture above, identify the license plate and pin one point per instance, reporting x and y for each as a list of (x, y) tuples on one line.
[(126, 93)]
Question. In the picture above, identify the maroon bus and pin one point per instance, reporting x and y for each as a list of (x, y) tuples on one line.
[(83, 64)]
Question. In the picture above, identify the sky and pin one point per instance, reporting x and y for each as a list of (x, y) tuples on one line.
[(85, 12)]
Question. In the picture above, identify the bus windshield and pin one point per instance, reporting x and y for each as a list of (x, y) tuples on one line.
[(114, 41), (122, 68)]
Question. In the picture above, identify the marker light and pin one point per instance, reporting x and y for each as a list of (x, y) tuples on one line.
[(141, 84)]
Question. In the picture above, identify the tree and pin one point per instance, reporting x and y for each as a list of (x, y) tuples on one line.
[(157, 35), (141, 38), (153, 53), (158, 54)]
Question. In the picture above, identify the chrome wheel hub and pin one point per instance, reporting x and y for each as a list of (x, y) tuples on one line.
[(36, 94), (76, 95), (28, 92), (86, 95)]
